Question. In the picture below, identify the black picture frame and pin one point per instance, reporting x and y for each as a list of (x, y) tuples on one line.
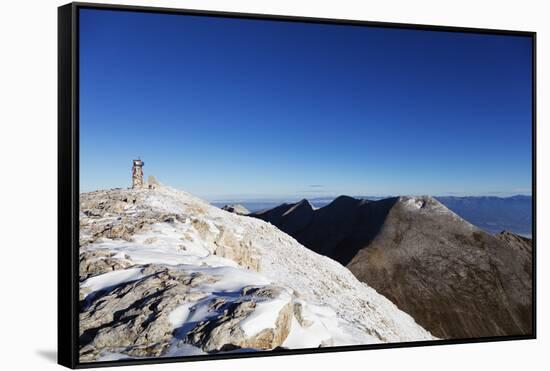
[(68, 182)]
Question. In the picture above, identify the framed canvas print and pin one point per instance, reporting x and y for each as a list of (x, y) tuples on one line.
[(240, 185)]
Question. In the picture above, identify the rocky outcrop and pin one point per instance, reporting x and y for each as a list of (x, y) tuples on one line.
[(455, 280), (224, 332), (236, 209), (133, 315), (93, 263), (136, 316), (238, 250), (119, 214)]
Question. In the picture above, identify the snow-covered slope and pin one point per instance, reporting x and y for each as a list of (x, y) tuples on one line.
[(164, 273)]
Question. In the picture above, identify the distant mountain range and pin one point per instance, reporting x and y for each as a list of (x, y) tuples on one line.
[(494, 214), (452, 277), (490, 213)]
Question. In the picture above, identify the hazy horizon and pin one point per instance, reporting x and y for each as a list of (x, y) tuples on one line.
[(228, 108), (298, 198)]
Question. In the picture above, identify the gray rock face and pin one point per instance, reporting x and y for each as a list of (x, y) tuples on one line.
[(114, 215), (453, 278), (135, 316), (92, 263), (236, 209), (224, 332)]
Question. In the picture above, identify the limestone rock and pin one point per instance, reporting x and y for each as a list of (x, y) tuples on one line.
[(96, 262), (134, 315), (224, 333), (236, 209)]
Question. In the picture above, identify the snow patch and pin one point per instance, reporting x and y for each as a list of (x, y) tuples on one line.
[(179, 315), (111, 279), (265, 315), (414, 203)]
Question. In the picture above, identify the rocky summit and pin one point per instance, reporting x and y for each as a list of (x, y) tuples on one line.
[(163, 273), (454, 279)]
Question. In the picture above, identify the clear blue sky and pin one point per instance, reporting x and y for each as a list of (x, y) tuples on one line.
[(229, 108)]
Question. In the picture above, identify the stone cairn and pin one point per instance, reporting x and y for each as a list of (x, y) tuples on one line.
[(137, 174)]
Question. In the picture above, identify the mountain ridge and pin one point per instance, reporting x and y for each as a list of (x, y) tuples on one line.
[(405, 247), (490, 213)]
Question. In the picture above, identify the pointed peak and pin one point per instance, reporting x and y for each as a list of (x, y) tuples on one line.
[(304, 202), (421, 203), (300, 205)]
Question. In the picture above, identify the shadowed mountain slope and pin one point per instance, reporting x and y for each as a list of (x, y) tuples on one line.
[(337, 230)]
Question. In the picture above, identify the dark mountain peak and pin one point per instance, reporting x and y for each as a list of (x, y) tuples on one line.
[(345, 198), (300, 206), (278, 210), (343, 201), (304, 202)]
